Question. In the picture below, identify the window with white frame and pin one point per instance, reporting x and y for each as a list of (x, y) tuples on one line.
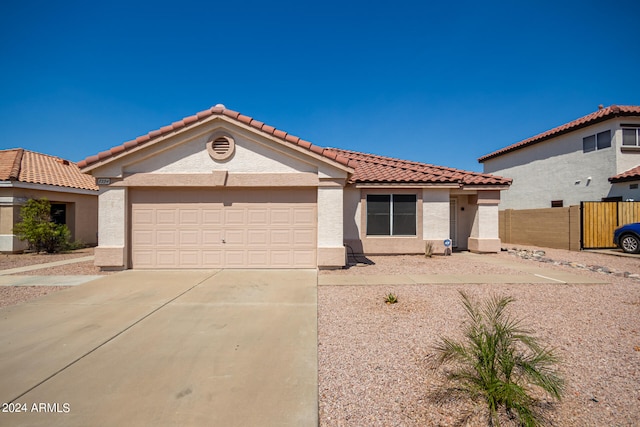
[(631, 137), (596, 142), (391, 215)]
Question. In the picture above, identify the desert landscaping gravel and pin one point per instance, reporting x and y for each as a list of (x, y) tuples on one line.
[(375, 360)]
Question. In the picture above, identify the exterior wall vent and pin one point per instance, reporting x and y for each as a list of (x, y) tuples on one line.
[(221, 147)]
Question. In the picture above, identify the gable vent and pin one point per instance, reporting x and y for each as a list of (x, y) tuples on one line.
[(220, 147)]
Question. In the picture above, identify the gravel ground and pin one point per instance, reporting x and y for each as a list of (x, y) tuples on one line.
[(10, 295), (375, 360)]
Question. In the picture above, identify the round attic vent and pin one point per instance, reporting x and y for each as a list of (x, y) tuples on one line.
[(220, 147)]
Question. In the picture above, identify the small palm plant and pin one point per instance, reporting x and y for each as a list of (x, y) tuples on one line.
[(391, 298), (500, 363)]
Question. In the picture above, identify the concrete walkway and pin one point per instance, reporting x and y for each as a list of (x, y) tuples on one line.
[(6, 278), (34, 267), (534, 273), (165, 348)]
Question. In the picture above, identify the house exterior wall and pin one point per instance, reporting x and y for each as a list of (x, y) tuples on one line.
[(435, 217), (558, 169), (628, 190), (183, 161), (82, 212)]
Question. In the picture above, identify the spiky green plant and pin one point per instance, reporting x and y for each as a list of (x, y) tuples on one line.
[(391, 298), (500, 362)]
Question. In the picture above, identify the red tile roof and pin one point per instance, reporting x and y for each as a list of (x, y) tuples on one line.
[(370, 168), (595, 117), (30, 167), (218, 110), (630, 175)]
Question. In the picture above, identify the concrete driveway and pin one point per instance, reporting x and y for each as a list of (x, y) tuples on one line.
[(191, 348)]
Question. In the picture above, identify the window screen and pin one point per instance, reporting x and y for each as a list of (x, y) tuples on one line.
[(589, 143), (391, 215), (378, 215), (404, 214), (604, 139)]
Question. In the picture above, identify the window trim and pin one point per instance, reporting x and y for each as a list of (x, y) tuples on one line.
[(596, 146), (637, 136), (391, 215)]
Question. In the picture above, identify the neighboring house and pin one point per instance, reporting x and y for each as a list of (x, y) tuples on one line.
[(28, 175), (220, 189), (593, 158)]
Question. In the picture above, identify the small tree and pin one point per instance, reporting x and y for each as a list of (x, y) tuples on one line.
[(38, 230), (499, 362)]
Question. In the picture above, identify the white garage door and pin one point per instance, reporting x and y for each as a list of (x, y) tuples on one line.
[(223, 228)]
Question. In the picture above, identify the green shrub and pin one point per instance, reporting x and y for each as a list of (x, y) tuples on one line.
[(500, 363), (391, 298), (39, 231)]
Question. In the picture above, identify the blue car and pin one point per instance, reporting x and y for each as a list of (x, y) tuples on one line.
[(627, 238)]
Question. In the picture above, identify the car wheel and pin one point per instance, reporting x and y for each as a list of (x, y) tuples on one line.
[(630, 243)]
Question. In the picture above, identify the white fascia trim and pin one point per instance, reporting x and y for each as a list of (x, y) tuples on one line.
[(46, 187)]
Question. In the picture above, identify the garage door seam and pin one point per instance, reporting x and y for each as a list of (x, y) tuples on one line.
[(64, 368)]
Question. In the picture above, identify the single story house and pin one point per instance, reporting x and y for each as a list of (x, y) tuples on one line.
[(593, 158), (222, 190), (28, 175)]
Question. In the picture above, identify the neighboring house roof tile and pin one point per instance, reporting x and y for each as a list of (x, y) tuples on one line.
[(219, 110), (630, 175), (30, 167), (370, 168), (595, 117)]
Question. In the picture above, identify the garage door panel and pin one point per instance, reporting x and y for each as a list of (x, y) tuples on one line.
[(167, 258), (190, 259), (234, 238), (304, 216), (234, 216), (280, 216), (212, 237), (166, 217), (142, 237), (257, 217), (257, 259), (281, 258), (143, 217), (258, 237), (189, 237), (166, 238), (234, 258), (212, 258), (218, 229), (212, 217), (305, 258), (189, 217), (281, 237), (305, 238)]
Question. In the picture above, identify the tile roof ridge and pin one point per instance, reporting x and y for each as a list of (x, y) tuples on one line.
[(603, 113), (385, 160), (17, 165), (218, 110)]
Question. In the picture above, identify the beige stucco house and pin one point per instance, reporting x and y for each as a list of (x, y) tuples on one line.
[(593, 158), (222, 190), (28, 175)]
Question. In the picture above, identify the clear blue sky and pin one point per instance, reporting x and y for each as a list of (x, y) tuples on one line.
[(436, 82)]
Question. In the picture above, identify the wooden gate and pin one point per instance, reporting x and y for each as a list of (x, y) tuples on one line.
[(600, 219)]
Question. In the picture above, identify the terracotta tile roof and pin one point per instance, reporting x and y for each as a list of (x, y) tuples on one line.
[(217, 110), (35, 168), (595, 117), (370, 168), (630, 175)]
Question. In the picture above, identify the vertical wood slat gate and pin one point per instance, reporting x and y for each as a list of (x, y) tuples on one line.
[(600, 219)]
